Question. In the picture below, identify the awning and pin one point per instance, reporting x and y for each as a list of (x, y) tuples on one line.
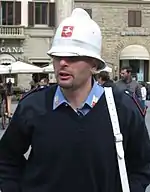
[(135, 52), (6, 59), (48, 69), (40, 60)]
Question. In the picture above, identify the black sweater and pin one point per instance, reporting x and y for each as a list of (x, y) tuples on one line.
[(70, 153)]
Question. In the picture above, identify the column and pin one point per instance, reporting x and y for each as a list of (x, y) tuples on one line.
[(24, 13), (63, 9)]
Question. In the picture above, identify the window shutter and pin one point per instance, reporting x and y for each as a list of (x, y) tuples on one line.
[(89, 11), (17, 13), (30, 13), (52, 15), (131, 18), (138, 18)]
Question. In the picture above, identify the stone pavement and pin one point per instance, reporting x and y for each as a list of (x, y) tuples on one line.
[(14, 105)]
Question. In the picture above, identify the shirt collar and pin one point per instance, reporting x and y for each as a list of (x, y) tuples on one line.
[(91, 100)]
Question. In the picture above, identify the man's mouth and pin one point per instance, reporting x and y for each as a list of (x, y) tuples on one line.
[(64, 75)]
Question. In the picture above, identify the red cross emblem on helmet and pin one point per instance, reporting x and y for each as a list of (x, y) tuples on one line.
[(67, 31)]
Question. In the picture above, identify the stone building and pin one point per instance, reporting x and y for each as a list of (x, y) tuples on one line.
[(26, 31), (27, 28), (125, 28)]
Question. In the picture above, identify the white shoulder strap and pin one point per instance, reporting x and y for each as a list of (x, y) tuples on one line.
[(118, 138)]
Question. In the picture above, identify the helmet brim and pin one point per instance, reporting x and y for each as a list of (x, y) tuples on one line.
[(61, 52)]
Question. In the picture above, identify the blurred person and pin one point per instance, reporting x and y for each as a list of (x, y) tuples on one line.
[(127, 83), (103, 78), (9, 92), (144, 93)]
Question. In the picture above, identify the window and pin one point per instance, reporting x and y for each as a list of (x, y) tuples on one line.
[(134, 18), (89, 11), (10, 13), (41, 13)]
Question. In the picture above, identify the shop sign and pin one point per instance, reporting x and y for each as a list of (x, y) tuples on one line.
[(133, 33), (11, 49)]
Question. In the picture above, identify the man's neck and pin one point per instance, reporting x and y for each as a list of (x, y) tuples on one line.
[(78, 96), (128, 80)]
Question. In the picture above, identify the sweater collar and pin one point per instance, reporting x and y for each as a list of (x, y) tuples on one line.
[(91, 100)]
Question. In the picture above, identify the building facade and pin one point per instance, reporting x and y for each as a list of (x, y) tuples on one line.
[(27, 28), (26, 31), (126, 33)]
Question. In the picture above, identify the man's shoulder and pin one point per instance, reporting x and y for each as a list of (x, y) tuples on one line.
[(119, 82), (134, 82), (129, 101), (137, 102), (37, 93)]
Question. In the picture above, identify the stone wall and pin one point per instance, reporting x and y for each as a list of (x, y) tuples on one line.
[(112, 17)]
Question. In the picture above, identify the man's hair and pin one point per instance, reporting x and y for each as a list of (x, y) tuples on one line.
[(104, 75), (45, 80), (127, 68)]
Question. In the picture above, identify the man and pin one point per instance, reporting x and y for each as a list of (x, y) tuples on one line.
[(144, 93), (9, 93), (104, 79), (2, 95), (127, 83), (68, 126), (44, 83)]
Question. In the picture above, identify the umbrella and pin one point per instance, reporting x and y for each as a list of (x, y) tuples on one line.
[(24, 68), (4, 69), (48, 68), (107, 69)]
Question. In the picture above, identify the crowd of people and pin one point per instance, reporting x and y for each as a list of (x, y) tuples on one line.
[(43, 82), (126, 82)]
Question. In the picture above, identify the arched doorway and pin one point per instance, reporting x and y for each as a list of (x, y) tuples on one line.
[(137, 57)]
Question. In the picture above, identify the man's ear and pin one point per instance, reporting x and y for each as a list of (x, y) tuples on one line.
[(94, 70), (94, 64)]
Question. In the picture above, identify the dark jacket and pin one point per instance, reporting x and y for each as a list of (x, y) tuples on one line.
[(70, 153), (133, 86), (109, 83)]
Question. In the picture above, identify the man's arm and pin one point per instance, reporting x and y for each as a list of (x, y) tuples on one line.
[(14, 143), (137, 153), (138, 91)]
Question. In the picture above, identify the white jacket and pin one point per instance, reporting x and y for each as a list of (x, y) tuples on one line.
[(144, 93)]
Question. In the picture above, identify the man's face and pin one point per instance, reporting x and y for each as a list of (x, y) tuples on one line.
[(125, 75), (72, 72), (101, 82)]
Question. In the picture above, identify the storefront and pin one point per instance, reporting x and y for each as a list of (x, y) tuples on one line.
[(9, 55), (137, 57), (29, 51)]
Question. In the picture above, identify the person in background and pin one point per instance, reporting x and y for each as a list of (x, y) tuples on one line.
[(127, 83), (144, 93), (9, 92), (148, 91), (44, 83), (2, 91), (104, 79), (32, 83)]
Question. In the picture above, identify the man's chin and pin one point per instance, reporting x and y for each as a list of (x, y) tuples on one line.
[(65, 85)]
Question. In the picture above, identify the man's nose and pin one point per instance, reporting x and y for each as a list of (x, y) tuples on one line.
[(63, 62)]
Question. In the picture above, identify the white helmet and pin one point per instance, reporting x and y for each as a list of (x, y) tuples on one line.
[(107, 69), (78, 35)]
